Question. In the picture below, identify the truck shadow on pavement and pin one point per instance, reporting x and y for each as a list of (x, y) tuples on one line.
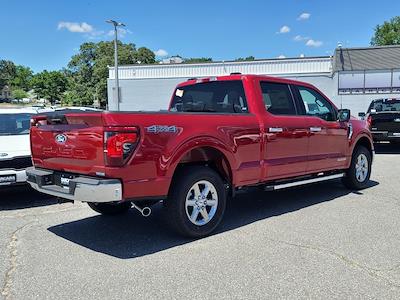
[(130, 235), (23, 196)]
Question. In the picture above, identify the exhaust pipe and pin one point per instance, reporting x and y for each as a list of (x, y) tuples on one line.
[(145, 211)]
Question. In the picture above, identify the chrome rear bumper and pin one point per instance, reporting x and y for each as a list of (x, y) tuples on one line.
[(83, 189)]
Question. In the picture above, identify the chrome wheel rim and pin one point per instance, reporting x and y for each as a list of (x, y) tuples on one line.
[(362, 168), (201, 202)]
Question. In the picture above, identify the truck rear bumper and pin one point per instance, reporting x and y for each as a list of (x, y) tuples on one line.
[(10, 177), (385, 136), (83, 189)]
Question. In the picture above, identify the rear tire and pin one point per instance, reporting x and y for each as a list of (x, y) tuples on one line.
[(196, 202), (358, 175), (110, 208)]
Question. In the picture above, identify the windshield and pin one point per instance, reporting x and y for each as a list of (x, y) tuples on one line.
[(385, 105), (14, 124)]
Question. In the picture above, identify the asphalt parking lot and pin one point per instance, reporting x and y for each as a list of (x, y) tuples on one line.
[(319, 241)]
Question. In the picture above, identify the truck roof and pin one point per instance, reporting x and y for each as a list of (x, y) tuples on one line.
[(235, 76)]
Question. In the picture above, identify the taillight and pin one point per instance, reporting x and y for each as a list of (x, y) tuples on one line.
[(119, 145), (38, 120), (369, 121)]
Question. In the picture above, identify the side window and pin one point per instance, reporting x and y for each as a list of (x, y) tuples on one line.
[(316, 105), (277, 98)]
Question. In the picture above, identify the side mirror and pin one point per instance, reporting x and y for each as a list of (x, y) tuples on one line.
[(361, 115), (344, 115)]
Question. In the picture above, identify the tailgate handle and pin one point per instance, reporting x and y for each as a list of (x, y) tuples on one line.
[(275, 129), (315, 129)]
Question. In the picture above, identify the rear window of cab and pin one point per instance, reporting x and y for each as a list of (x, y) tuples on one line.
[(212, 96)]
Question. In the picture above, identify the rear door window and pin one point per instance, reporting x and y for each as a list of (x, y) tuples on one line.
[(277, 98), (214, 96)]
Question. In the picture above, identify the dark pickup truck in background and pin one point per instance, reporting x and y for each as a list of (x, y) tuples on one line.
[(383, 119)]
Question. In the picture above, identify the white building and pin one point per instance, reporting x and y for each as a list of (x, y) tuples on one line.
[(352, 77)]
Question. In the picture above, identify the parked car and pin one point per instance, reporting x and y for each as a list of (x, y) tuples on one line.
[(383, 118), (221, 134), (5, 100), (15, 152)]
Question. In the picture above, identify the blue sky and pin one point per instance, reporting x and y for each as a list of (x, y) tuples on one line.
[(45, 34)]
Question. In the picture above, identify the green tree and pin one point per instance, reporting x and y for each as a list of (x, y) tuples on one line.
[(50, 85), (388, 33), (145, 56), (7, 72), (22, 78), (248, 58), (195, 60), (88, 70), (19, 94)]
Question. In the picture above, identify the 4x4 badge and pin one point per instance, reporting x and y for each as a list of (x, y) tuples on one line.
[(161, 129)]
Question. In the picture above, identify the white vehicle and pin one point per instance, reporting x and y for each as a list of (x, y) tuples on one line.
[(15, 152)]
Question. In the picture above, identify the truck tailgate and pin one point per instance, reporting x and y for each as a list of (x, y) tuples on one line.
[(387, 121), (69, 143)]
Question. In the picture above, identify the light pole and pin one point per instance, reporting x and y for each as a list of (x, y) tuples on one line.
[(116, 24)]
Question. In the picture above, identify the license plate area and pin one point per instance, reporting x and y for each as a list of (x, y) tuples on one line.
[(8, 179), (63, 179)]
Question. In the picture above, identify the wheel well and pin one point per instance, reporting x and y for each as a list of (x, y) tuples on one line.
[(207, 156), (365, 143)]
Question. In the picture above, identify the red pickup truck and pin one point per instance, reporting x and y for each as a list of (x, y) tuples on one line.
[(220, 134)]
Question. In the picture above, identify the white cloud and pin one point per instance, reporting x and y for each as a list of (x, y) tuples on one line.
[(281, 56), (299, 38), (75, 27), (304, 16), (313, 43), (284, 29), (302, 55), (161, 53)]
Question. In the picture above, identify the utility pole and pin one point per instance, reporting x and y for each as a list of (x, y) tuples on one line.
[(116, 24)]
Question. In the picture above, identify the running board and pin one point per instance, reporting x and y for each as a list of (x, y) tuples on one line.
[(302, 182)]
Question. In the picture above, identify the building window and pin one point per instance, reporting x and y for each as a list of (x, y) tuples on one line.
[(369, 82), (396, 81)]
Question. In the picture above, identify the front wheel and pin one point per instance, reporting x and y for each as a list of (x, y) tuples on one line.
[(196, 203), (110, 208), (357, 176)]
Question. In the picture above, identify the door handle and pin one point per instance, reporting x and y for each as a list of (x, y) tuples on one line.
[(315, 129), (275, 129)]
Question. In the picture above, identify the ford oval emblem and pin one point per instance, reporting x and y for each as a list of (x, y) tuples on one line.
[(61, 138)]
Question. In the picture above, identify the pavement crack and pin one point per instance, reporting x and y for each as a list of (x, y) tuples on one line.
[(6, 291), (347, 261)]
